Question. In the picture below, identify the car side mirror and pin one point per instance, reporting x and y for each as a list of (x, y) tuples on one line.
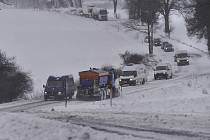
[(44, 86)]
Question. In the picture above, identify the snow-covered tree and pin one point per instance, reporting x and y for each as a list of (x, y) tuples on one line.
[(115, 7), (199, 23), (147, 12), (14, 82)]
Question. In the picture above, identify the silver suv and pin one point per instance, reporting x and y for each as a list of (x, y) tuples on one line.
[(163, 71), (182, 58)]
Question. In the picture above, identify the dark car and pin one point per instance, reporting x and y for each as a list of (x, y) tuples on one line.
[(164, 44), (182, 58), (157, 42), (59, 87), (168, 48)]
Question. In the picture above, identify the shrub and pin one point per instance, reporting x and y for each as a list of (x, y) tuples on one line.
[(13, 82), (134, 58)]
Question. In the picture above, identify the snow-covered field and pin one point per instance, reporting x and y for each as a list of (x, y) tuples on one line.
[(46, 43)]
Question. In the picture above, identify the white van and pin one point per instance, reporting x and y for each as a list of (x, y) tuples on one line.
[(133, 74), (100, 14)]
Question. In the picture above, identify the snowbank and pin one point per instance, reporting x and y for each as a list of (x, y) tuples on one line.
[(27, 127)]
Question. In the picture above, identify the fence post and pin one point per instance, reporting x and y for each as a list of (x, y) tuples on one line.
[(111, 97)]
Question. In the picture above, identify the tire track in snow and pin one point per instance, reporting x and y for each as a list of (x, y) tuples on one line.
[(23, 107), (143, 132)]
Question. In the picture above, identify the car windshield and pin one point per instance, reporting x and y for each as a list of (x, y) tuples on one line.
[(55, 84), (156, 40), (182, 55), (161, 68), (129, 73), (169, 46), (103, 12)]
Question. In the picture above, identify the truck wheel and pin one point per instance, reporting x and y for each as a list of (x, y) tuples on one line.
[(77, 97), (155, 77), (45, 98), (143, 82), (70, 97), (103, 94), (98, 98), (101, 97)]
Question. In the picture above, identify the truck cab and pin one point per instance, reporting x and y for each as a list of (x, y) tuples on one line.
[(182, 58), (100, 14), (59, 87), (92, 84), (88, 11), (133, 74), (163, 71)]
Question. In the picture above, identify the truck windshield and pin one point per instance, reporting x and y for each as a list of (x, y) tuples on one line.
[(161, 68), (182, 55), (129, 73), (169, 46), (103, 12), (56, 84)]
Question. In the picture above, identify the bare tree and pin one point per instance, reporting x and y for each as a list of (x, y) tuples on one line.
[(149, 16), (71, 3), (166, 7), (78, 3), (198, 19), (145, 11), (115, 7)]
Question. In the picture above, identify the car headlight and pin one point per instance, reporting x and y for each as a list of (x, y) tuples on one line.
[(187, 60), (131, 79)]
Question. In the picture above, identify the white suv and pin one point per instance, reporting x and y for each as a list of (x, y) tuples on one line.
[(163, 71)]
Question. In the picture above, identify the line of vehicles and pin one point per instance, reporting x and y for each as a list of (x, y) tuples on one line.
[(164, 70), (100, 84), (94, 84), (91, 11)]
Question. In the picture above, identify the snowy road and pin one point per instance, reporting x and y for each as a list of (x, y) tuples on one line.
[(27, 106), (137, 126), (148, 126)]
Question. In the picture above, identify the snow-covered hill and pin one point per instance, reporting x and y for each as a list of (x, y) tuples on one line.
[(46, 43)]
